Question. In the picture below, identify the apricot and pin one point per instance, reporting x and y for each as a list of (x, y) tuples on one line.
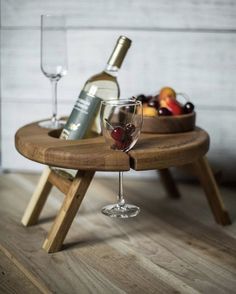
[(167, 92), (149, 111)]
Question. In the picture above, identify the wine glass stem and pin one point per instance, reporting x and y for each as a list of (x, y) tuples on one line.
[(121, 201), (54, 100)]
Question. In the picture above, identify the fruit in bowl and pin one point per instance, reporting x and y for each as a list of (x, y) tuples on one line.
[(149, 111), (167, 92), (174, 107), (166, 113), (188, 107), (165, 104)]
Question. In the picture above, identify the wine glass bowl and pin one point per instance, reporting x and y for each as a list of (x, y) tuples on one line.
[(53, 59), (121, 123)]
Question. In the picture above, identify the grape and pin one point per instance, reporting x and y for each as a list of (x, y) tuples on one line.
[(188, 107), (153, 103), (142, 98), (162, 111)]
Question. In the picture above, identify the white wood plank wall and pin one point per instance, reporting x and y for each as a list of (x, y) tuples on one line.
[(187, 44)]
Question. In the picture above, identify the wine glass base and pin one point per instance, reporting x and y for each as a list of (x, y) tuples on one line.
[(49, 124), (125, 211)]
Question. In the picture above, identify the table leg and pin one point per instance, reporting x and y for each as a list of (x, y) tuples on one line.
[(212, 192), (169, 183), (68, 211), (38, 199)]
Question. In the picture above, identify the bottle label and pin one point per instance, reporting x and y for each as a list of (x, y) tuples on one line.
[(82, 116)]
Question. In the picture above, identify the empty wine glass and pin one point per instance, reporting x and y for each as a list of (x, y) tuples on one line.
[(53, 59), (121, 122)]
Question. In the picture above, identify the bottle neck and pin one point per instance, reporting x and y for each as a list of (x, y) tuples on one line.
[(111, 70), (117, 56)]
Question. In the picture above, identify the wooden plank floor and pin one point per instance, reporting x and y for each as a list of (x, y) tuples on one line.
[(173, 246)]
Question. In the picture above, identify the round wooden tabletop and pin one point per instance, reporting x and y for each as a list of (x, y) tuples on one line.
[(152, 151)]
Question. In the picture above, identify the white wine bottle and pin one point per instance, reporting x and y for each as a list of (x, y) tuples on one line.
[(84, 116)]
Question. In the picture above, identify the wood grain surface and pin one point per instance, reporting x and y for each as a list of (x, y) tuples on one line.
[(153, 151), (38, 199), (36, 144), (169, 124), (12, 279), (158, 151), (171, 247), (194, 63), (185, 14), (68, 210)]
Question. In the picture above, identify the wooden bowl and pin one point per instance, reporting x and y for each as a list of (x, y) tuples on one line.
[(169, 124)]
